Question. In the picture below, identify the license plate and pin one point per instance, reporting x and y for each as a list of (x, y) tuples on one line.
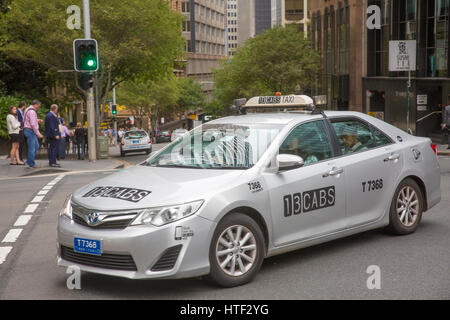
[(87, 246), (135, 141)]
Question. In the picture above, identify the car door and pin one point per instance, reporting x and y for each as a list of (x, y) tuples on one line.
[(371, 167), (308, 201)]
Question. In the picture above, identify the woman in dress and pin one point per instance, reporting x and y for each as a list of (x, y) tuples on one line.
[(14, 134)]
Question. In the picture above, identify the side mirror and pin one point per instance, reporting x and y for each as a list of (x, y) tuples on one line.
[(286, 162)]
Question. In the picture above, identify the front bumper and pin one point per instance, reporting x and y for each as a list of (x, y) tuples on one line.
[(138, 148), (146, 245)]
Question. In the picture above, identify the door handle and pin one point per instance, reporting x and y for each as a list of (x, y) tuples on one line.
[(333, 172), (392, 157)]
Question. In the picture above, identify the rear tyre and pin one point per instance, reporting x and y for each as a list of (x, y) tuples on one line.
[(236, 252), (122, 153), (406, 208)]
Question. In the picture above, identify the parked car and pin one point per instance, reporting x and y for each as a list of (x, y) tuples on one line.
[(163, 136), (178, 133)]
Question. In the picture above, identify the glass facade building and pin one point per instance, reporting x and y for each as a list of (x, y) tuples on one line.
[(330, 32), (427, 22)]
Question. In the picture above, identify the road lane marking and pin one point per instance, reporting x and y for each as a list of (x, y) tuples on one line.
[(38, 199), (14, 233), (4, 251), (22, 220), (31, 208), (12, 236)]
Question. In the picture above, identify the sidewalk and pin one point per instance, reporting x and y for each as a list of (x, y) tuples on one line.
[(68, 165)]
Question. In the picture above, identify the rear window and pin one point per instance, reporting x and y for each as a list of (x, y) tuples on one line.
[(136, 134)]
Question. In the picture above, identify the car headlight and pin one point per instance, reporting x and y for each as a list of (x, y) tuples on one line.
[(164, 215), (66, 211)]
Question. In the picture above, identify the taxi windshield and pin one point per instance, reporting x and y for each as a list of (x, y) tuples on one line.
[(218, 146)]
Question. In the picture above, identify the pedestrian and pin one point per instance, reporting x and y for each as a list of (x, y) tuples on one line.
[(58, 143), (73, 141), (14, 133), (81, 141), (20, 110), (31, 132), (65, 135), (53, 134), (446, 120)]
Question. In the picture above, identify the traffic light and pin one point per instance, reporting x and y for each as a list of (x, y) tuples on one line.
[(85, 53), (114, 110)]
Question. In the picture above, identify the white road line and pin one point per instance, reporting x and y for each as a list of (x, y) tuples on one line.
[(12, 236), (43, 192), (22, 220), (31, 208), (4, 251), (47, 187), (38, 199)]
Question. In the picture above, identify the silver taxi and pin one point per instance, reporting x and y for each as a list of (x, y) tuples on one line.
[(135, 140), (239, 189)]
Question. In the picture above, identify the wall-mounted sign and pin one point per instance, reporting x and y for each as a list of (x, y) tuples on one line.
[(422, 99), (402, 55), (422, 108)]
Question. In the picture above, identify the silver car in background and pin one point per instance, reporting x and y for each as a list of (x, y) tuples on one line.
[(178, 133), (135, 141), (236, 190)]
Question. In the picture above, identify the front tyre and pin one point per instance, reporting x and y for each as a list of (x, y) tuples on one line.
[(237, 251), (406, 208)]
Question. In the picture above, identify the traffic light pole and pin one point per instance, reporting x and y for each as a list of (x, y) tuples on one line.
[(115, 118), (92, 145)]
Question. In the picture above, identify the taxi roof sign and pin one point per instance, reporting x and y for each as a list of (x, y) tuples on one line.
[(282, 102)]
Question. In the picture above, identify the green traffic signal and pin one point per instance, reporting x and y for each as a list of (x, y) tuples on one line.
[(114, 110), (85, 55)]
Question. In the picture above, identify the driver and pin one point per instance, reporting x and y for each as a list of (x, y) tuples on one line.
[(349, 136)]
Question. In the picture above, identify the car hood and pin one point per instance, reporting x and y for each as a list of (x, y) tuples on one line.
[(144, 187)]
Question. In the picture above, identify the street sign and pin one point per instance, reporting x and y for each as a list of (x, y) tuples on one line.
[(402, 55), (422, 99)]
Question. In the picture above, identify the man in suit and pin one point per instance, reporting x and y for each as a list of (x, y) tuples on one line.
[(446, 119), (53, 135)]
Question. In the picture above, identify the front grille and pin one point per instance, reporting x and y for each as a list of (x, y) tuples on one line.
[(168, 259), (79, 215), (106, 261), (118, 224)]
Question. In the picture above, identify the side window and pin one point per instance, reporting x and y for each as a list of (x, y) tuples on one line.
[(354, 136), (309, 141), (380, 138)]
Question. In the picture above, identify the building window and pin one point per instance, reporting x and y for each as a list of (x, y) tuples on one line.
[(437, 37), (378, 42), (185, 7)]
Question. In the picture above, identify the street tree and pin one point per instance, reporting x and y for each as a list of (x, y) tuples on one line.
[(279, 60), (149, 98), (191, 95), (135, 37)]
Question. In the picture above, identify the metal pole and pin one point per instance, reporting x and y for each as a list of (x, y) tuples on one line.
[(409, 103), (115, 118), (92, 145)]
